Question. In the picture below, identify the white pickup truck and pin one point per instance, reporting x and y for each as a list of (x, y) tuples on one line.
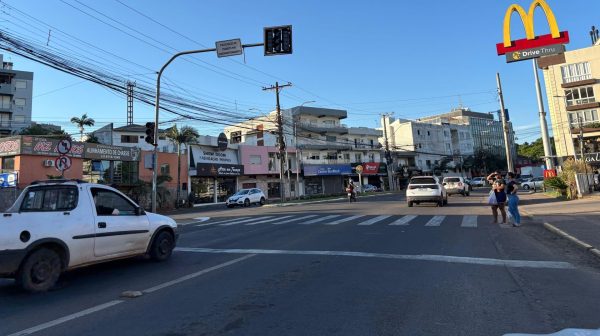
[(59, 225)]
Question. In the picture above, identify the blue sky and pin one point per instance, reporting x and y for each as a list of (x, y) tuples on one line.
[(410, 58)]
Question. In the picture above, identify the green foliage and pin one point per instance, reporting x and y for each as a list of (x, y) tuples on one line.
[(41, 130), (486, 161), (92, 139), (534, 151), (570, 168), (556, 183)]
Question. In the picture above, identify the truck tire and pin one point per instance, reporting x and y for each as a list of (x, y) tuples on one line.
[(162, 246), (40, 270)]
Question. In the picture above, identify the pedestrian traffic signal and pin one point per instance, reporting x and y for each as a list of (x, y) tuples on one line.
[(278, 40), (150, 129)]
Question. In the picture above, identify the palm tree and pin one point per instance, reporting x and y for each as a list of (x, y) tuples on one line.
[(83, 121), (185, 135)]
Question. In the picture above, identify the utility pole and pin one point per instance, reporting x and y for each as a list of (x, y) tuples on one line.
[(130, 86), (297, 157), (543, 124), (388, 158), (280, 140), (582, 153), (507, 144)]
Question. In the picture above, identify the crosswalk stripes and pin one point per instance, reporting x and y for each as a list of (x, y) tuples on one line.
[(297, 219), (313, 221), (245, 221), (469, 221), (374, 220), (435, 221), (403, 220), (268, 220), (343, 220), (223, 221)]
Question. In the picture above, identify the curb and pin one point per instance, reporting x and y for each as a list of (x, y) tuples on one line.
[(325, 201)]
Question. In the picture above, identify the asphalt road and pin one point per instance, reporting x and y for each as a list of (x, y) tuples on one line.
[(374, 267)]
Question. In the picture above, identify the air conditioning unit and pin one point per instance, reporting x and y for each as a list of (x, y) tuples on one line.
[(48, 163)]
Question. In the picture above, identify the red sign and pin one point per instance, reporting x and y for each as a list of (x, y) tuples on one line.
[(549, 173), (370, 168)]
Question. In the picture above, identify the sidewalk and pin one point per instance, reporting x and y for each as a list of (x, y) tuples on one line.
[(576, 220)]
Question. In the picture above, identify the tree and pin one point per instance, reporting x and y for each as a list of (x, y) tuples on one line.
[(41, 130), (179, 137), (487, 162), (535, 150), (92, 139), (81, 122)]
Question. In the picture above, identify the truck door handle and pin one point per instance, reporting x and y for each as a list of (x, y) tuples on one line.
[(66, 213), (102, 225), (7, 215)]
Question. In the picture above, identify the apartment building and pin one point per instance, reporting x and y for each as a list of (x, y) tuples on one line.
[(16, 89)]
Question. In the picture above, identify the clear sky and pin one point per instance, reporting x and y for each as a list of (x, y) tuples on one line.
[(414, 58)]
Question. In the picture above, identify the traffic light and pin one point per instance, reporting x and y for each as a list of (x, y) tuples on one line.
[(278, 40), (150, 126)]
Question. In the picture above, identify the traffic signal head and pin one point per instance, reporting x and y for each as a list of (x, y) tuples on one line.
[(278, 40), (150, 126)]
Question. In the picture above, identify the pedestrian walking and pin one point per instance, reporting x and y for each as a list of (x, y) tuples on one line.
[(497, 197), (513, 199)]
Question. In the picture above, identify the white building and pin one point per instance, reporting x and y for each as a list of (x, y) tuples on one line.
[(132, 136)]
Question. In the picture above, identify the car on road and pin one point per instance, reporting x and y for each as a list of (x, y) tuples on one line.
[(423, 189), (370, 188), (456, 185), (58, 225), (533, 183), (246, 197), (478, 182)]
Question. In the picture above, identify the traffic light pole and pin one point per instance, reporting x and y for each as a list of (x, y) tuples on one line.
[(507, 144), (157, 108)]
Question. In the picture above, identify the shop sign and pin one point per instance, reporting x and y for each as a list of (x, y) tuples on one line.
[(111, 153), (8, 180), (48, 147), (204, 154), (592, 158), (371, 168), (327, 170), (215, 169), (9, 147)]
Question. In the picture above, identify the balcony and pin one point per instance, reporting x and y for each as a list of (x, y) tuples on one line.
[(582, 80), (6, 89), (324, 147), (324, 128)]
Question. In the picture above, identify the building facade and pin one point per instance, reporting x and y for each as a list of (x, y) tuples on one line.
[(16, 89), (571, 88)]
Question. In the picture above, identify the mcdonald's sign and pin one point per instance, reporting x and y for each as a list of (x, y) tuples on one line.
[(531, 41)]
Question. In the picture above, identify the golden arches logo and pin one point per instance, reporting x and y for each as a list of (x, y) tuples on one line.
[(528, 20)]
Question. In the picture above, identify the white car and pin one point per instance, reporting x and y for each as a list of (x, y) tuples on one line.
[(478, 182), (456, 185), (246, 197), (55, 226), (533, 183), (426, 189)]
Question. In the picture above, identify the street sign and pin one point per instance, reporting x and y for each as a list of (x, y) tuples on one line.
[(222, 142), (278, 40), (64, 146), (62, 163), (229, 48), (522, 55), (359, 169), (8, 180)]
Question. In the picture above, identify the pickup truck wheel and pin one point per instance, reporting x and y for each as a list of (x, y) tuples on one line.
[(40, 270), (162, 246)]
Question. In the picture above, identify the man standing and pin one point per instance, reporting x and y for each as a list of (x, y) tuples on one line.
[(513, 199)]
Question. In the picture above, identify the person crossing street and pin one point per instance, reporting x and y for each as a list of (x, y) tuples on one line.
[(513, 199)]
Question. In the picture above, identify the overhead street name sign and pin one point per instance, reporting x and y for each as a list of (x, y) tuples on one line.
[(229, 48), (522, 55)]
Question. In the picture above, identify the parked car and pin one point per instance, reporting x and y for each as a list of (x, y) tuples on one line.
[(246, 197), (468, 182), (370, 188), (533, 183), (426, 189), (455, 185), (478, 182), (58, 225)]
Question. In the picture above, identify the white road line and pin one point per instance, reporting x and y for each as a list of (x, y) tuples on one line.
[(313, 221), (202, 219), (344, 220), (374, 220), (246, 220), (418, 257), (296, 219), (223, 221), (469, 221), (268, 221), (435, 221), (404, 220), (195, 275), (67, 318)]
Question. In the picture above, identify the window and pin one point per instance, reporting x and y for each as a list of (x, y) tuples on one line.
[(8, 163), (329, 123), (272, 166), (20, 84), (20, 102), (418, 132), (355, 143), (357, 157), (586, 116), (576, 72), (164, 169), (330, 138), (236, 137), (372, 143), (578, 96), (5, 102), (448, 146), (428, 163), (129, 139), (109, 203), (142, 137), (428, 133), (19, 118), (332, 156), (371, 157), (50, 199), (255, 159), (346, 156)]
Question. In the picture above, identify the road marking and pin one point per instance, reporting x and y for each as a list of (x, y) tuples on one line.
[(435, 221), (268, 221), (67, 318), (417, 257), (313, 221), (195, 275), (245, 221), (202, 219), (404, 220), (343, 220), (223, 221), (374, 220), (469, 221), (296, 219)]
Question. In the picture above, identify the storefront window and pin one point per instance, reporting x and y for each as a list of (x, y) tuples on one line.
[(8, 163), (313, 185), (203, 189)]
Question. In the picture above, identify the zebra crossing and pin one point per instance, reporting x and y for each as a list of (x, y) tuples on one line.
[(430, 221)]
